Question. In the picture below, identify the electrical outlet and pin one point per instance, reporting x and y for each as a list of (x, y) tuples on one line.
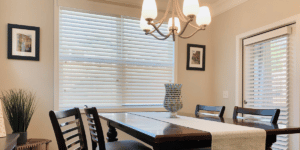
[(225, 94)]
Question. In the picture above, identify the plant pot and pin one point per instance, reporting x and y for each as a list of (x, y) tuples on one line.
[(22, 138)]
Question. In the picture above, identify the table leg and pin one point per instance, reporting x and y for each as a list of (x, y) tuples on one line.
[(112, 133), (270, 140)]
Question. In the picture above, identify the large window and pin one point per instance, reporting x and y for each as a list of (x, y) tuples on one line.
[(107, 61)]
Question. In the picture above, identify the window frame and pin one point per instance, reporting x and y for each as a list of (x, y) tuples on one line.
[(56, 65)]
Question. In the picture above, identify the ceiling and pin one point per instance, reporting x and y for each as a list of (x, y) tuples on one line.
[(161, 4), (216, 6)]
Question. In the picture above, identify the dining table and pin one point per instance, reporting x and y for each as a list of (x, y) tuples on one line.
[(167, 136)]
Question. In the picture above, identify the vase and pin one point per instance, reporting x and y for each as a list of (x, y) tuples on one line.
[(173, 99), (22, 138)]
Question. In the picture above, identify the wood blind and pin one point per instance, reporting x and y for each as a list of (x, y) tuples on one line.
[(266, 80), (107, 61)]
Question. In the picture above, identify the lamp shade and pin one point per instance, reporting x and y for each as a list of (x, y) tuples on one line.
[(149, 9), (190, 7), (176, 22), (203, 17), (144, 24)]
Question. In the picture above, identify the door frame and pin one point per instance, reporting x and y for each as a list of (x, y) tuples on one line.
[(294, 104)]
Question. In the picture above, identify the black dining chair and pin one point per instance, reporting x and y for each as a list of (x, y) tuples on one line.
[(74, 129), (98, 137), (220, 109), (262, 112)]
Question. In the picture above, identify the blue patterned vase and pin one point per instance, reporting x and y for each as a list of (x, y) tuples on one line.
[(173, 99)]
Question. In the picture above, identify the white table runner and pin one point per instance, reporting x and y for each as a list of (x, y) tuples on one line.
[(224, 136)]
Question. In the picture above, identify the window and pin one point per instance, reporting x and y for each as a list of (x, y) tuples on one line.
[(266, 77), (107, 61)]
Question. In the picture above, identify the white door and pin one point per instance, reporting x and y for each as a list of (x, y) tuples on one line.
[(266, 61)]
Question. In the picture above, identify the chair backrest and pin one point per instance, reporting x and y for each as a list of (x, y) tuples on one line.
[(262, 112), (220, 109), (75, 128), (95, 128)]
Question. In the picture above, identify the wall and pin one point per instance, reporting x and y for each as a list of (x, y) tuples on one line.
[(197, 85), (39, 76), (32, 75), (225, 27)]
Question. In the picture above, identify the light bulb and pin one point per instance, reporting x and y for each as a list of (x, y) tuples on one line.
[(149, 9), (144, 25), (176, 22), (203, 17), (190, 7)]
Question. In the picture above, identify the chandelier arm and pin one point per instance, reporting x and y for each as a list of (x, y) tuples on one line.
[(179, 12), (160, 38), (160, 22), (196, 27), (173, 35), (156, 29), (185, 37), (186, 25)]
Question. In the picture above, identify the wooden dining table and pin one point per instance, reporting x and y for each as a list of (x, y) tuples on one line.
[(166, 136)]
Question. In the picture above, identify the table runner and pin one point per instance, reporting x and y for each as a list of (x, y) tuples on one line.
[(224, 136)]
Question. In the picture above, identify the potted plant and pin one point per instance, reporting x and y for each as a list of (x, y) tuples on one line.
[(19, 106)]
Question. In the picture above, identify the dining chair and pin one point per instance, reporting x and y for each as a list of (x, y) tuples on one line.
[(74, 129), (98, 137), (262, 112), (220, 109)]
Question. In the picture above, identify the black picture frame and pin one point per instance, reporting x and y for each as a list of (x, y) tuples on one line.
[(201, 66), (34, 51)]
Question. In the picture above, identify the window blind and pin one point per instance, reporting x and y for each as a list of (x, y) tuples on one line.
[(266, 81), (107, 61)]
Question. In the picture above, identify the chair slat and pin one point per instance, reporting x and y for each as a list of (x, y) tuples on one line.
[(90, 118), (72, 144), (70, 130), (95, 139), (72, 136), (68, 123), (93, 133), (92, 129), (91, 123), (78, 148)]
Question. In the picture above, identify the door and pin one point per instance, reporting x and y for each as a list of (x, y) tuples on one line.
[(266, 61)]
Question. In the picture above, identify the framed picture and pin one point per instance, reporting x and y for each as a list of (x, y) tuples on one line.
[(23, 42), (195, 57)]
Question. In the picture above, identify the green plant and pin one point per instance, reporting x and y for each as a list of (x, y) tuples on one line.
[(19, 106)]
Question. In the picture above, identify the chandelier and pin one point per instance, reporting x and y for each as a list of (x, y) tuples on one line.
[(191, 11)]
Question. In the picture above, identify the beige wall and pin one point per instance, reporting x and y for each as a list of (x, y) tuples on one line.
[(225, 27), (32, 75), (39, 76), (197, 85)]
